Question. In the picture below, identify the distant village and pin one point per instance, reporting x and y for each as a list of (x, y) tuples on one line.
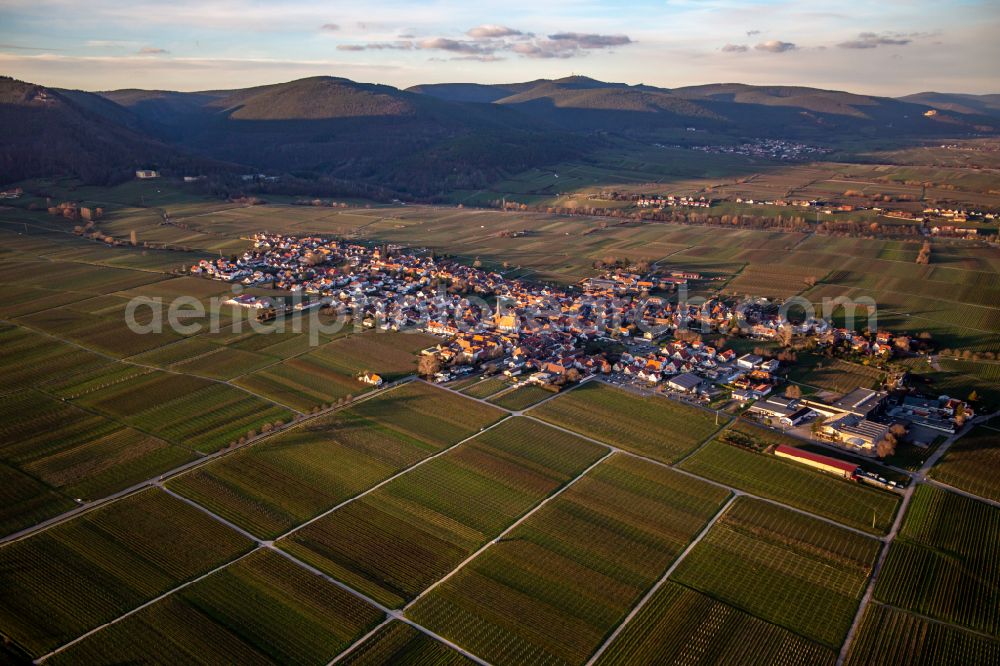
[(620, 325)]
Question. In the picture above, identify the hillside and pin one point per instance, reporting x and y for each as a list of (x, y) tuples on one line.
[(44, 132), (333, 134), (986, 105)]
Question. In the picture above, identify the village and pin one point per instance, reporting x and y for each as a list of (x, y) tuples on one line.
[(620, 325)]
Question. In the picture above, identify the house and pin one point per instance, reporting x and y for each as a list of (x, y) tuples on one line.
[(146, 174), (686, 383), (822, 463), (749, 361), (371, 379)]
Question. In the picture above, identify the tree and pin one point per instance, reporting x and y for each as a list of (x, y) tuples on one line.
[(973, 396), (793, 391), (429, 365), (886, 446)]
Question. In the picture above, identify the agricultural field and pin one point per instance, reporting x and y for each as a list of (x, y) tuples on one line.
[(651, 426), (399, 644), (844, 501), (394, 542), (303, 383), (891, 636), (53, 453), (553, 588), (943, 564), (834, 374), (261, 609), (201, 414), (783, 567), (29, 359), (521, 397), (972, 463), (57, 584), (678, 625), (274, 485), (390, 354), (486, 387)]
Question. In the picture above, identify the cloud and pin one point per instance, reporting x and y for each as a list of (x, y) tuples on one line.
[(491, 31), (151, 50), (480, 58), (776, 46), (590, 40), (17, 47), (735, 48), (488, 41), (329, 27), (871, 40), (455, 46), (402, 45)]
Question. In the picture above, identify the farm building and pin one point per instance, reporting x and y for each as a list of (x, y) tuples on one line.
[(860, 402), (371, 379), (786, 410), (817, 461), (856, 432)]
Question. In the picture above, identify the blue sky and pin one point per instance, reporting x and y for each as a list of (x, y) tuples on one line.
[(890, 47)]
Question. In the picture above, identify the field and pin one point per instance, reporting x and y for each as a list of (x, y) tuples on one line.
[(486, 387), (651, 426), (834, 374), (551, 589), (271, 487), (53, 452), (261, 609), (521, 398), (394, 542), (398, 643), (944, 562), (201, 414), (892, 636), (972, 463), (844, 501), (64, 581), (681, 626), (789, 569)]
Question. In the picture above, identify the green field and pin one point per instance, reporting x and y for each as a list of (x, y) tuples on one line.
[(53, 453), (834, 374), (201, 414), (551, 590), (486, 387), (651, 426), (270, 487), (399, 644), (262, 609), (944, 563), (972, 463), (891, 636), (783, 567), (844, 501), (394, 542), (521, 397), (60, 583), (681, 626)]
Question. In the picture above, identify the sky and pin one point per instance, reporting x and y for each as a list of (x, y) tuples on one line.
[(885, 47)]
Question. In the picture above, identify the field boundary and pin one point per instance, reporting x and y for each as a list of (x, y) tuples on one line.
[(637, 608), (181, 469), (510, 528)]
